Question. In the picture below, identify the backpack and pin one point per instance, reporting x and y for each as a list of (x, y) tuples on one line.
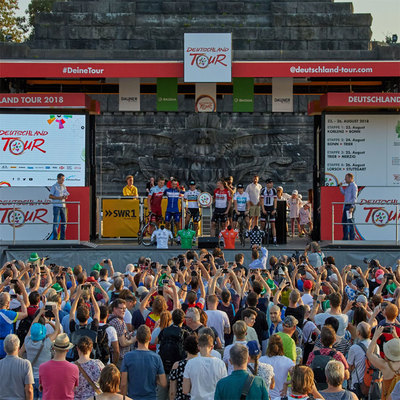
[(318, 365), (171, 347), (78, 333), (102, 348), (23, 328), (371, 384), (394, 380)]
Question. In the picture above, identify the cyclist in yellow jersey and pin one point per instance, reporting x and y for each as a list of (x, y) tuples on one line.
[(129, 189)]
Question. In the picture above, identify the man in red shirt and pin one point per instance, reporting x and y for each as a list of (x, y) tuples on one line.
[(222, 203), (154, 200), (229, 235)]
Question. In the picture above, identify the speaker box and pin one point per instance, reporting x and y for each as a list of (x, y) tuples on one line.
[(207, 242), (280, 223)]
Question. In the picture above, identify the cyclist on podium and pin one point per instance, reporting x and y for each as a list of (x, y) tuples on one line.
[(173, 195)]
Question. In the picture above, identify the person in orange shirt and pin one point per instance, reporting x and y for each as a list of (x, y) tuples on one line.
[(229, 235)]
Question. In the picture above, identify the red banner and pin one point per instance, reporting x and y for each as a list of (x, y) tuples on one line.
[(47, 100), (386, 100), (165, 69)]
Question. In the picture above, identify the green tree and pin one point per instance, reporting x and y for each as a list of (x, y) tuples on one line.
[(36, 7), (11, 29)]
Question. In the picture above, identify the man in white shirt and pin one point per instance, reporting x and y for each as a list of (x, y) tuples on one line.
[(254, 190), (111, 333), (217, 319), (202, 373), (59, 193), (357, 354), (161, 236)]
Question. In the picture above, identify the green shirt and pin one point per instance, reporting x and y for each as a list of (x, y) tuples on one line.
[(186, 236), (230, 388), (289, 346)]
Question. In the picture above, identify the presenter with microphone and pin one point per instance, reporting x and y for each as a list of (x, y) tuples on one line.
[(59, 193), (350, 198)]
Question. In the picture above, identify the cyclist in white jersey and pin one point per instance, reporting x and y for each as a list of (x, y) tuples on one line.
[(192, 206), (241, 201), (268, 203)]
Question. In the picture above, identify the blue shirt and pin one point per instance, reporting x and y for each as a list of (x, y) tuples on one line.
[(58, 191), (142, 368), (173, 199), (7, 319), (260, 263), (350, 193)]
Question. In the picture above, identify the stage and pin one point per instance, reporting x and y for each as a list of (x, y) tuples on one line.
[(70, 253)]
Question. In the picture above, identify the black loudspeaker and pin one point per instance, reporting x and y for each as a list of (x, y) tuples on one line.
[(207, 242), (280, 223)]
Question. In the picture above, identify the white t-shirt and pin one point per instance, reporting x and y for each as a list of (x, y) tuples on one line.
[(356, 357), (254, 190), (342, 318), (162, 236), (281, 366), (227, 355), (204, 374), (218, 320), (242, 200), (308, 299)]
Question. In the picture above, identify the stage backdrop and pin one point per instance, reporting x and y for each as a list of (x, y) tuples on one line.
[(42, 213)]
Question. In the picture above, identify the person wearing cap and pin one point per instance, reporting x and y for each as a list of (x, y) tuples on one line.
[(349, 206), (16, 378), (268, 203), (257, 368), (231, 387), (59, 193), (254, 190), (307, 297), (191, 197), (289, 325), (241, 206), (38, 345), (58, 378), (129, 189), (294, 209), (390, 364)]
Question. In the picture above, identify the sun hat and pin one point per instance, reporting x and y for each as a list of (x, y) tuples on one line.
[(392, 349), (57, 287), (97, 267), (33, 257), (142, 289), (38, 332), (361, 299), (379, 274), (62, 342), (290, 321), (295, 192), (254, 348)]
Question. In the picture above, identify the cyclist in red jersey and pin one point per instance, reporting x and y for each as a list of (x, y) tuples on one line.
[(154, 200), (222, 203)]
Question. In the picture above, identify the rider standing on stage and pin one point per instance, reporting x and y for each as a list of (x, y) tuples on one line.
[(241, 201), (268, 203), (222, 203), (192, 208), (173, 194), (154, 200)]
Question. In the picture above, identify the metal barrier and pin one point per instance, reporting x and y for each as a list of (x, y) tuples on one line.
[(395, 223), (142, 217), (16, 223)]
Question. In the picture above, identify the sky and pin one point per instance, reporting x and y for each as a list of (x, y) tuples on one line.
[(385, 13)]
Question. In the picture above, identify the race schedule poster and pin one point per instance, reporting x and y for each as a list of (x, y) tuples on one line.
[(34, 148), (367, 145)]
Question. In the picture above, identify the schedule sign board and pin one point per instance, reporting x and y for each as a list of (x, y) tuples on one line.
[(366, 145), (208, 57), (34, 148)]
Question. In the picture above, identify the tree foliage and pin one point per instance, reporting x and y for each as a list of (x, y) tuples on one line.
[(36, 7), (11, 26)]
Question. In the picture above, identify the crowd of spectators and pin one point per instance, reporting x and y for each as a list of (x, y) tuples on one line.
[(199, 328)]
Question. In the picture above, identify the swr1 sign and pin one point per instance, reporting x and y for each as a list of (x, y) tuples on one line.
[(120, 217), (208, 57)]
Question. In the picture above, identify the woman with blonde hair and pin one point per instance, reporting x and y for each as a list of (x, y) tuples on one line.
[(109, 381), (164, 321)]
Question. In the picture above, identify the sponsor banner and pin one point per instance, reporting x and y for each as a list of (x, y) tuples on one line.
[(366, 145), (207, 57), (34, 148), (386, 100), (243, 94), (377, 208), (129, 94), (282, 94), (167, 94), (47, 100), (175, 69), (206, 97), (121, 217), (34, 221)]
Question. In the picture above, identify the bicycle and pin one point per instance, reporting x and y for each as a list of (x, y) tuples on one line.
[(242, 229), (144, 234)]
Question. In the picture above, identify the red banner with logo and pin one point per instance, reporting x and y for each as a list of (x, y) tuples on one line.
[(375, 100)]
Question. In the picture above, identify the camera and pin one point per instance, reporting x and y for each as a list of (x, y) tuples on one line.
[(388, 276), (65, 269), (13, 296), (366, 260), (14, 281), (387, 329), (153, 265), (193, 273), (105, 261), (174, 270), (165, 281), (225, 271), (49, 311), (86, 286)]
